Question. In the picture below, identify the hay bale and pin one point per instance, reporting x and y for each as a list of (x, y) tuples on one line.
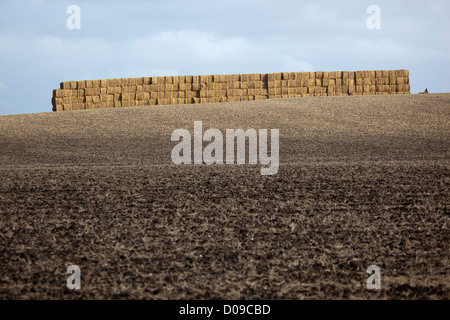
[(181, 87), (317, 90), (291, 83), (304, 76), (59, 101), (64, 85), (243, 77), (196, 86), (167, 80), (146, 81), (66, 93), (251, 85), (407, 88), (331, 90), (221, 93), (96, 84), (351, 90), (234, 85), (110, 83), (58, 93), (392, 74), (139, 95), (345, 90), (243, 85)]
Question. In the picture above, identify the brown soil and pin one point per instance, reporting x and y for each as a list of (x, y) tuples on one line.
[(363, 180)]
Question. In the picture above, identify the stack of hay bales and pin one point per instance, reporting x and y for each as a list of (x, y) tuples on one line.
[(147, 91)]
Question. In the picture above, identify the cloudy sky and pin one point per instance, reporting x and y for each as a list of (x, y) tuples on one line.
[(120, 39)]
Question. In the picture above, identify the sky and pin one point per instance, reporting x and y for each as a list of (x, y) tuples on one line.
[(121, 39)]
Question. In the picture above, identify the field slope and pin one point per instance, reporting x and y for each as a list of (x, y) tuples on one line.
[(363, 181)]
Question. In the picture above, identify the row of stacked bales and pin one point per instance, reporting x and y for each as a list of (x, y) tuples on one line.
[(146, 91)]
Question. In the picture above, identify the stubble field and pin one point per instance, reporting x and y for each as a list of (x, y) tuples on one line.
[(363, 180)]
